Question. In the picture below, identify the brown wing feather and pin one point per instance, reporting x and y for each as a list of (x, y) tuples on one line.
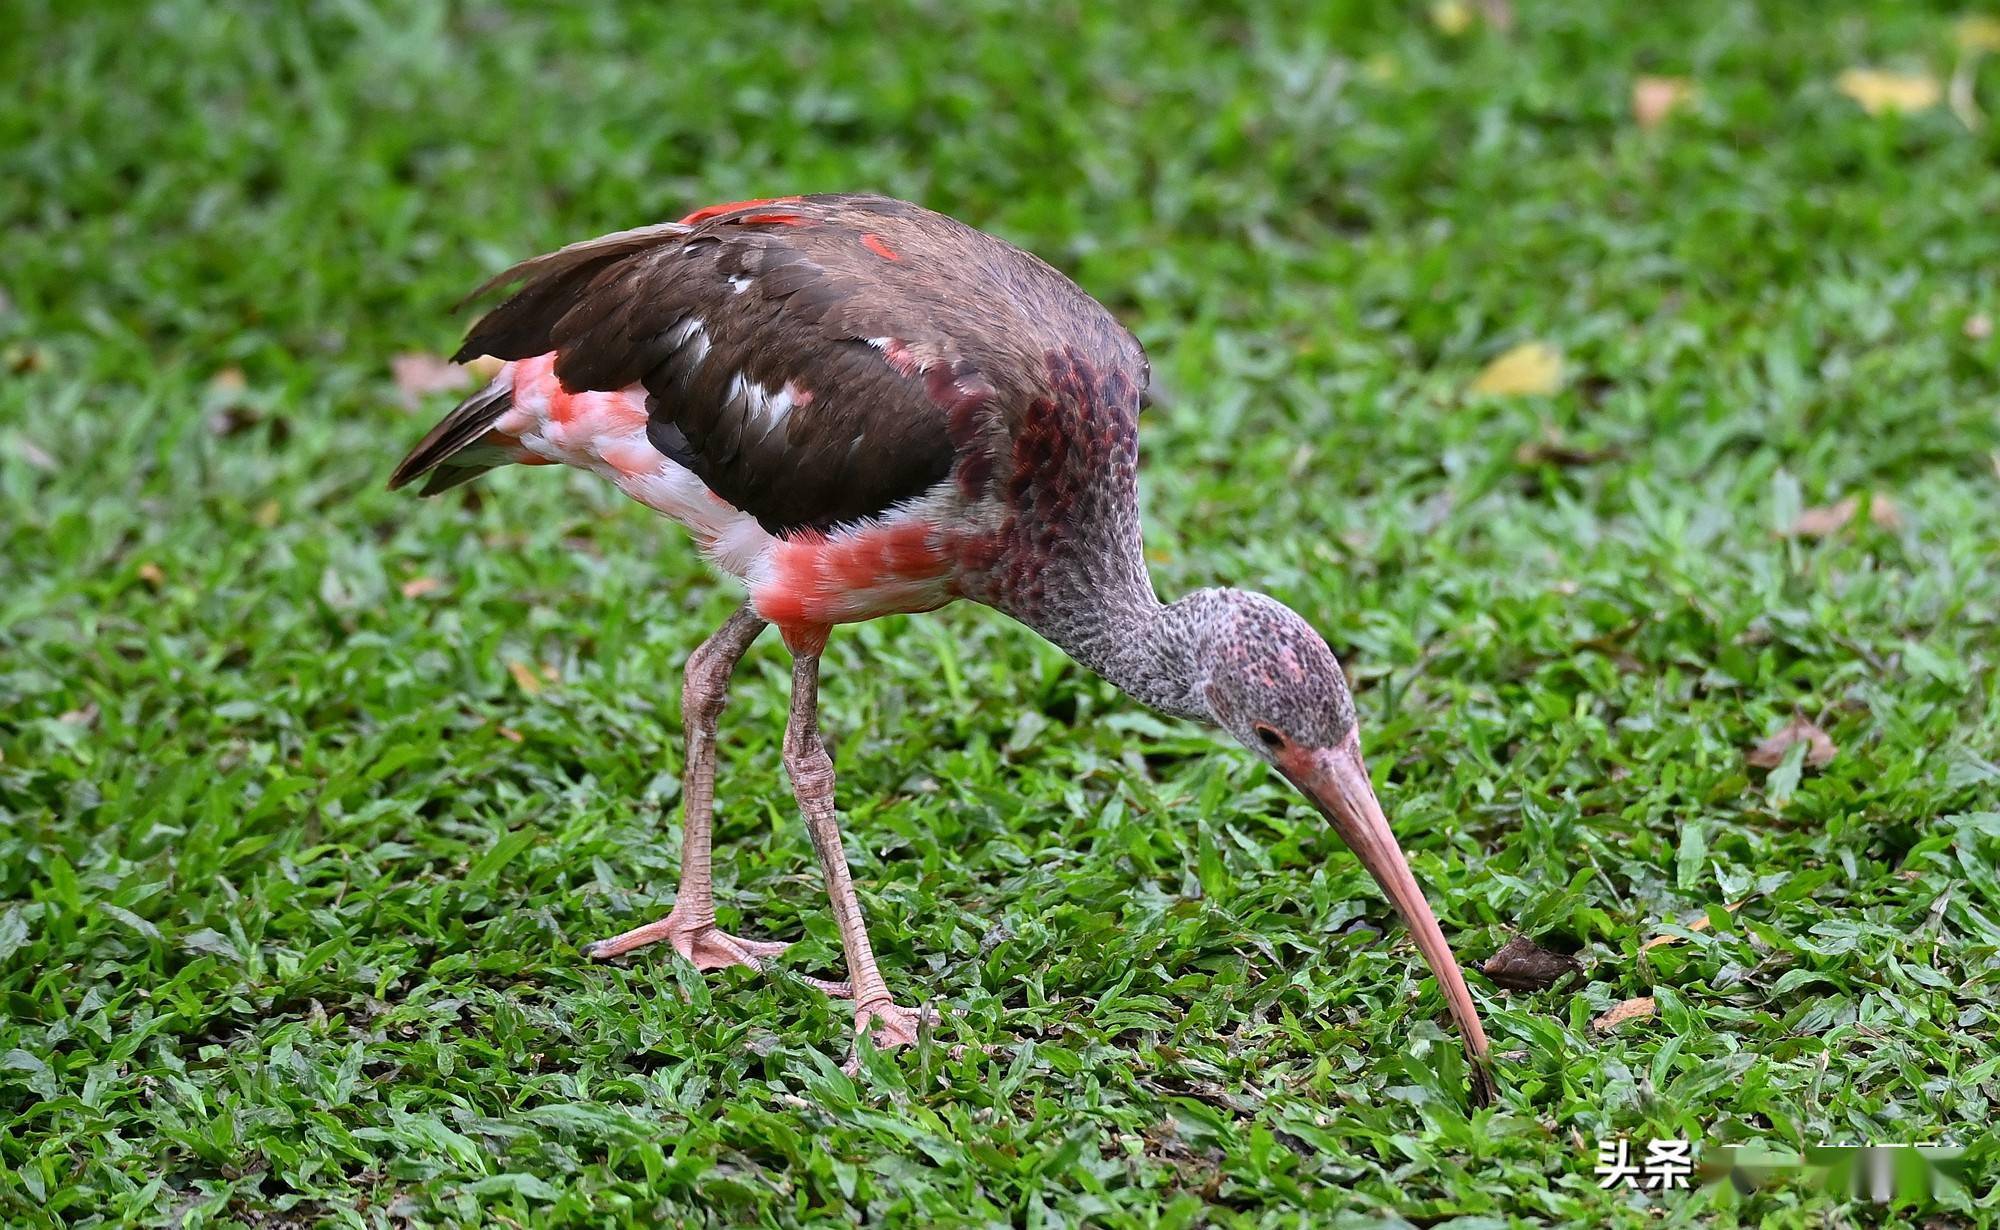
[(903, 339)]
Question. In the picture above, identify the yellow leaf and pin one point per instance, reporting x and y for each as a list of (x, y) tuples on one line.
[(1451, 17), (1655, 98), (1878, 90), (1530, 368), (1977, 32), (525, 677)]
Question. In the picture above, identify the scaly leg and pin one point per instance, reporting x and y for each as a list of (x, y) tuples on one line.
[(690, 927), (811, 770)]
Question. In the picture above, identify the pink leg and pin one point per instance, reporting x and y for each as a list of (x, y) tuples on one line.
[(690, 927), (811, 771)]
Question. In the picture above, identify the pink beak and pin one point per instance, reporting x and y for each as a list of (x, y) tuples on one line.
[(1337, 782)]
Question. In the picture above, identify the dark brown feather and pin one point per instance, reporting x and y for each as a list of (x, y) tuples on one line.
[(473, 418), (716, 317)]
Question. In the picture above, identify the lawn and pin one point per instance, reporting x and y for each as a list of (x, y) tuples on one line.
[(309, 791)]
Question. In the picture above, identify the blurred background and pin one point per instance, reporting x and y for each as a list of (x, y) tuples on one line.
[(1614, 385)]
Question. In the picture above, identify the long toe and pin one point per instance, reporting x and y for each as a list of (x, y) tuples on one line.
[(710, 948), (703, 943), (891, 1025)]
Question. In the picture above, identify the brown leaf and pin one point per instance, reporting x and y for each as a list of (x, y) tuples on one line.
[(1820, 748), (417, 587), (1637, 1009), (229, 380), (1829, 519), (1528, 369), (419, 375), (1552, 450), (1656, 98), (1879, 91), (150, 573), (509, 733), (525, 677), (1523, 965)]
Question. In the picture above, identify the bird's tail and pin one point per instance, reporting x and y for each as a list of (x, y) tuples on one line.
[(453, 452)]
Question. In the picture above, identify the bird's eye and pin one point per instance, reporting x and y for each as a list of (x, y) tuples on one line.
[(1271, 738)]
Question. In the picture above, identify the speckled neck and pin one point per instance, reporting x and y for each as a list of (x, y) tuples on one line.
[(1157, 653)]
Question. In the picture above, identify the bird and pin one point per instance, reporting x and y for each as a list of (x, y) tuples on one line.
[(859, 407)]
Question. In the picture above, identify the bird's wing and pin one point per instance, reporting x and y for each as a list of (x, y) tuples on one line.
[(814, 360)]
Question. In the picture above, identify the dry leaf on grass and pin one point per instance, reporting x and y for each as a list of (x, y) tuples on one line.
[(419, 375), (1631, 1010), (1523, 965), (150, 573), (1832, 518), (417, 587), (1820, 748), (1699, 924), (1879, 91), (1552, 450), (525, 677), (1527, 369), (1656, 98)]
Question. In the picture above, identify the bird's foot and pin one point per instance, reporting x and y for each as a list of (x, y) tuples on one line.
[(889, 1025), (703, 943)]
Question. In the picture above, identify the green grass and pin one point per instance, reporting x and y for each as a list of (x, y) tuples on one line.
[(292, 871)]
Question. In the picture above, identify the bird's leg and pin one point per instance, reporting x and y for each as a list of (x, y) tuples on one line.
[(690, 927), (811, 770)]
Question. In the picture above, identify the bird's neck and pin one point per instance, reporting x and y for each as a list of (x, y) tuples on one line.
[(1154, 652)]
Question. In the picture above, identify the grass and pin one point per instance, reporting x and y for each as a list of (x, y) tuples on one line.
[(294, 863)]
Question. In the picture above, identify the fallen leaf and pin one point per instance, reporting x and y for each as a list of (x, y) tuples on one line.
[(1655, 98), (1879, 91), (1552, 450), (1977, 32), (525, 677), (1530, 368), (419, 375), (229, 380), (1698, 924), (1979, 326), (417, 587), (509, 733), (1451, 17), (1631, 1010), (1523, 965), (150, 573), (1820, 748), (1827, 519), (233, 420)]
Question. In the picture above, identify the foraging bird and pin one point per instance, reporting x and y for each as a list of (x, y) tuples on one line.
[(859, 408)]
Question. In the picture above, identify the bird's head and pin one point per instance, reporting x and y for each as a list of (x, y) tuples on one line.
[(1273, 684)]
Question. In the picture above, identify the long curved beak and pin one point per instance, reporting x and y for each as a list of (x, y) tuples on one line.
[(1336, 781)]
